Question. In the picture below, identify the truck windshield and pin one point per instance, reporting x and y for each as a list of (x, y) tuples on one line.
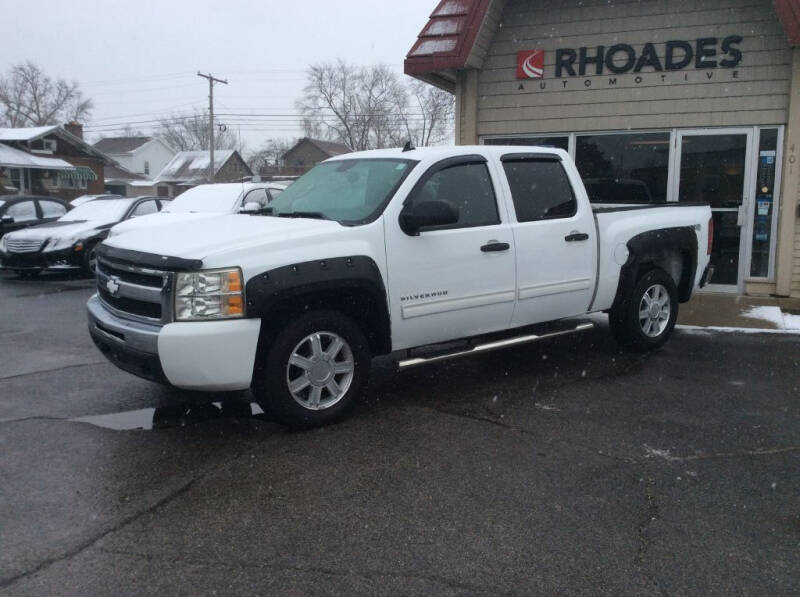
[(348, 191)]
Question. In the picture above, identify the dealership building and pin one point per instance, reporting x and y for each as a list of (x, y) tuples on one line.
[(658, 101)]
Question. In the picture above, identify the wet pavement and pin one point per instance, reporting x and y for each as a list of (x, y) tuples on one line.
[(563, 467)]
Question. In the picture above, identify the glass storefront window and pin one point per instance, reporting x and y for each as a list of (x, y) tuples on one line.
[(712, 169), (559, 142), (764, 207), (624, 168)]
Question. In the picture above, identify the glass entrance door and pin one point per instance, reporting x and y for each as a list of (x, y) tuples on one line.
[(714, 170)]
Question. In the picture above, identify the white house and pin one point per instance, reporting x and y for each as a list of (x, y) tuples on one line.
[(140, 155)]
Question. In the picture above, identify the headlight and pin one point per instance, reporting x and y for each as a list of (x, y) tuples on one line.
[(212, 294), (54, 244)]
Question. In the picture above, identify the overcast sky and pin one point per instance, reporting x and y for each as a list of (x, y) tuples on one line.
[(138, 60)]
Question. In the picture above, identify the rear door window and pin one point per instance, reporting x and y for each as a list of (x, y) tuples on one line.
[(540, 189), (52, 209)]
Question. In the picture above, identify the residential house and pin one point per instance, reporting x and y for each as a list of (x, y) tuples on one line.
[(191, 168), (140, 155), (307, 153), (50, 160)]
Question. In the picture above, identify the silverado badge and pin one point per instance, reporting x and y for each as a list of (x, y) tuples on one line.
[(112, 286)]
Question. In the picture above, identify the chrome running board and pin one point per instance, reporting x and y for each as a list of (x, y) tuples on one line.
[(490, 346)]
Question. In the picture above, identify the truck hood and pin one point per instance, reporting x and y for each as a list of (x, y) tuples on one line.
[(198, 238), (57, 229), (159, 219)]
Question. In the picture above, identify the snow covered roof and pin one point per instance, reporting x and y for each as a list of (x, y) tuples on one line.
[(11, 157), (114, 145), (446, 41), (26, 134), (193, 165)]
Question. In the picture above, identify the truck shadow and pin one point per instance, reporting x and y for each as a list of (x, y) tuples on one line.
[(463, 385)]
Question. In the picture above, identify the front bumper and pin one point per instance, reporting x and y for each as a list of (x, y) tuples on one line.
[(194, 355), (39, 260)]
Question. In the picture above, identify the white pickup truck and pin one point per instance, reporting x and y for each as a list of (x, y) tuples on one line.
[(424, 254)]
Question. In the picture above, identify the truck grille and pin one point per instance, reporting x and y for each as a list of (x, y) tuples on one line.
[(135, 292), (24, 245)]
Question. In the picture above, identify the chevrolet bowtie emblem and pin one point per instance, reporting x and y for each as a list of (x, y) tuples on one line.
[(112, 286)]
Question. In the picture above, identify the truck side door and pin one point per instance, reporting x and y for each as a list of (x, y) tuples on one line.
[(457, 280), (554, 235)]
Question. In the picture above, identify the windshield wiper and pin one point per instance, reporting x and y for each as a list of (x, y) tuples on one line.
[(303, 214)]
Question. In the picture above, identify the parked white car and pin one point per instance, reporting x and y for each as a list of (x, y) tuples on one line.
[(209, 200), (426, 254), (84, 198)]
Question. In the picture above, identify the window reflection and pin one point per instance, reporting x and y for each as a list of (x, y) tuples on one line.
[(624, 168)]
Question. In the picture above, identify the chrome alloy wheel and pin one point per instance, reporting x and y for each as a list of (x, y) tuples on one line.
[(654, 310), (320, 370)]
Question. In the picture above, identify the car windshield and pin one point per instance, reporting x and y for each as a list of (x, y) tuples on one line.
[(206, 199), (348, 191), (105, 210)]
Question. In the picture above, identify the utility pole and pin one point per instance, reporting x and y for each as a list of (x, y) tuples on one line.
[(211, 81)]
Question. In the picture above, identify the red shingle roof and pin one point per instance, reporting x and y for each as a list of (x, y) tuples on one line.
[(448, 37), (789, 15)]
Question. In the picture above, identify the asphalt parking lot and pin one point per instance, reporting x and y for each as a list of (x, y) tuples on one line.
[(564, 467)]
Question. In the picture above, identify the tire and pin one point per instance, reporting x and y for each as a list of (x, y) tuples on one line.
[(330, 362), (639, 326), (88, 261)]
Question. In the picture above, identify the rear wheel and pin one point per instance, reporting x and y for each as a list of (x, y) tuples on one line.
[(645, 319), (313, 371)]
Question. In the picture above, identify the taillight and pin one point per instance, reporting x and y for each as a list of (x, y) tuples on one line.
[(710, 234)]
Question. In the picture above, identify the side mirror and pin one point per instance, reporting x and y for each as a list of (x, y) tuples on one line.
[(6, 220), (251, 207), (414, 217)]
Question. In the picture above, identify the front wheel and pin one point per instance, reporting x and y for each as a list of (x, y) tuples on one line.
[(89, 261), (645, 319), (314, 369)]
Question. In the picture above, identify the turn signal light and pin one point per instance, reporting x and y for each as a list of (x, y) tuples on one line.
[(710, 234)]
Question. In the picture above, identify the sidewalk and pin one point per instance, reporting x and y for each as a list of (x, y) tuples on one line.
[(730, 311)]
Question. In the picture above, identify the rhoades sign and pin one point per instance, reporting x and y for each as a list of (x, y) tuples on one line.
[(703, 53)]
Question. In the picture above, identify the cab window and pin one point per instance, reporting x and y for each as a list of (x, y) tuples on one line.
[(466, 186)]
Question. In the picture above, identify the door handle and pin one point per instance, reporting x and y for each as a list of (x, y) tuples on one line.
[(493, 246), (573, 236)]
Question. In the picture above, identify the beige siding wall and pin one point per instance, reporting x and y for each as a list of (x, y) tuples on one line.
[(687, 98)]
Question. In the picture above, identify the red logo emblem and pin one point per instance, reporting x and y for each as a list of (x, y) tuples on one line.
[(530, 64)]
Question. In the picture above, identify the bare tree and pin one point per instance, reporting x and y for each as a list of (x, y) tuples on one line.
[(190, 132), (430, 114), (369, 107), (29, 97), (270, 153), (357, 106)]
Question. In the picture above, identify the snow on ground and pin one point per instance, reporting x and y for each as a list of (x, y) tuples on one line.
[(775, 315)]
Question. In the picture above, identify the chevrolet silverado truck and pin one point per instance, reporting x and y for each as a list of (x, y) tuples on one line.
[(424, 254)]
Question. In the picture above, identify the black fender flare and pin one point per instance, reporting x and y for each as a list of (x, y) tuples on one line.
[(270, 289), (649, 246)]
